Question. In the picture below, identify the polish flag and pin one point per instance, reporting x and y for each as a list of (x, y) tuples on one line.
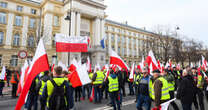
[(115, 59), (159, 65), (107, 74), (3, 73), (79, 75), (164, 106), (142, 64), (131, 76), (24, 69), (38, 64), (152, 60), (52, 67), (204, 63), (89, 66), (65, 43)]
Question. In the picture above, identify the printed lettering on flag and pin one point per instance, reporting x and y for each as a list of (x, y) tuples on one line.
[(65, 43)]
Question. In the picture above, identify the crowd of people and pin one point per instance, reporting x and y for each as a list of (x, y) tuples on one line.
[(53, 90)]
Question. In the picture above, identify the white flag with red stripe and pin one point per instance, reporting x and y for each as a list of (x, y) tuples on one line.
[(38, 64), (131, 76), (152, 60), (204, 63), (79, 76), (24, 71), (116, 60), (65, 43)]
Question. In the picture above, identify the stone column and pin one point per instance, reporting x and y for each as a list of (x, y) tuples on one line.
[(73, 22), (97, 31), (109, 42), (127, 46), (102, 28), (9, 32), (78, 24), (25, 31), (137, 48)]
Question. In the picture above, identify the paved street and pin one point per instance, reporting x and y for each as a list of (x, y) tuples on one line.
[(7, 103)]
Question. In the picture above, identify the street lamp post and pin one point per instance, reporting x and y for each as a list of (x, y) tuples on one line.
[(68, 18)]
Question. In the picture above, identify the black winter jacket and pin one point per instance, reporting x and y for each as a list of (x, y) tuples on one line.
[(186, 90)]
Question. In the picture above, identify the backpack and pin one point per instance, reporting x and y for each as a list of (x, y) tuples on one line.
[(57, 100)]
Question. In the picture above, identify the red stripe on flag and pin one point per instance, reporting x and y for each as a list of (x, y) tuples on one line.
[(117, 61), (74, 79), (71, 47), (40, 65)]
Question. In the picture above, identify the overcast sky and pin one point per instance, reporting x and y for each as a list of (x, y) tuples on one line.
[(190, 15)]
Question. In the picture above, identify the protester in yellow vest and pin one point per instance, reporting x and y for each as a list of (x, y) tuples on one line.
[(171, 84), (113, 89), (160, 92), (57, 91), (98, 79)]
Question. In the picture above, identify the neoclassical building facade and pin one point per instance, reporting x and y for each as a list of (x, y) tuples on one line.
[(24, 22)]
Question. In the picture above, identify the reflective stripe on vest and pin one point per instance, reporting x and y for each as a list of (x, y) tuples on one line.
[(199, 82), (113, 84), (99, 78), (165, 90), (41, 88), (150, 88)]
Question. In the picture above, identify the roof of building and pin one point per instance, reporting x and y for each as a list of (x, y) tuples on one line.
[(33, 1), (128, 26)]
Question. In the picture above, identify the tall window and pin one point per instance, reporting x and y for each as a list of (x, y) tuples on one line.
[(56, 21), (112, 37), (16, 40), (119, 50), (14, 60), (123, 39), (33, 11), (30, 41), (53, 40), (1, 38), (119, 39), (32, 23), (2, 18), (18, 20), (3, 4), (0, 59), (19, 8)]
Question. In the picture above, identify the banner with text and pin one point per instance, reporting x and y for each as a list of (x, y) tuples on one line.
[(65, 43)]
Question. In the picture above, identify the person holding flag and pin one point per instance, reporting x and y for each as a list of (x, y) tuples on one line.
[(160, 92), (199, 83)]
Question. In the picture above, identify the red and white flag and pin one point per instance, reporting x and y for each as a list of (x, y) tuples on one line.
[(3, 73), (204, 63), (159, 65), (24, 69), (152, 60), (38, 64), (65, 43), (52, 67), (164, 106), (131, 76), (79, 75), (116, 60)]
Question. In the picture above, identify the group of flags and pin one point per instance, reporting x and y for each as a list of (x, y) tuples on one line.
[(79, 72)]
